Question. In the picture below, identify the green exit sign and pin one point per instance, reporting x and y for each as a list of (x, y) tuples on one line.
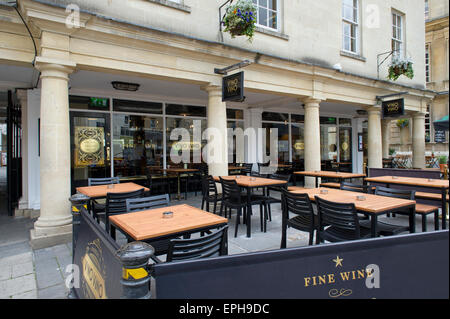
[(99, 102)]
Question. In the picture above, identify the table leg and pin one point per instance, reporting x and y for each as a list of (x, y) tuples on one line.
[(317, 182), (412, 220), (444, 208), (249, 214), (374, 222)]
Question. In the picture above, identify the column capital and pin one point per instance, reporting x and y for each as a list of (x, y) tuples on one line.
[(212, 89), (418, 115), (374, 110), (311, 102), (54, 68)]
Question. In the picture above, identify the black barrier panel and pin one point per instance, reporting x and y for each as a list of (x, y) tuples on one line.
[(409, 266), (100, 271)]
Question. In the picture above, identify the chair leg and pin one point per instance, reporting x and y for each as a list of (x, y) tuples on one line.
[(311, 237), (261, 216), (215, 207), (436, 219), (424, 223), (237, 222), (283, 237), (221, 209), (203, 203), (270, 213)]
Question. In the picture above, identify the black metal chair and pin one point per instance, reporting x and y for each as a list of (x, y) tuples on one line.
[(304, 219), (343, 222), (209, 193), (232, 198), (386, 229), (359, 188), (273, 200), (116, 205), (247, 169), (211, 245), (139, 204), (97, 207)]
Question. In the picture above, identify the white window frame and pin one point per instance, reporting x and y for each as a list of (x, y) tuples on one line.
[(428, 62), (353, 24), (427, 9), (398, 33), (278, 16)]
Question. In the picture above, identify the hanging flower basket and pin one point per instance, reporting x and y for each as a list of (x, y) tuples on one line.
[(402, 123), (240, 19), (400, 67)]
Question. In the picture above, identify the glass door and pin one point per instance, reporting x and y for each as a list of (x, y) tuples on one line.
[(345, 149), (90, 147)]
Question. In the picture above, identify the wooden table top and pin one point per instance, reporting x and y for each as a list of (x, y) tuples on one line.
[(102, 190), (372, 204), (150, 224), (339, 175), (412, 181), (235, 168), (249, 181)]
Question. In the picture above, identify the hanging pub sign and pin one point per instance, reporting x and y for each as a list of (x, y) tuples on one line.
[(394, 108), (233, 88)]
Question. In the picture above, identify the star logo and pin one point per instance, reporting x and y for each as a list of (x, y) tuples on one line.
[(338, 261)]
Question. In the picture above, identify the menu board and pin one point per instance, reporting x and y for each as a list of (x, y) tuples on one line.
[(439, 137)]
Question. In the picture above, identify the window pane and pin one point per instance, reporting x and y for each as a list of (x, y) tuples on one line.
[(263, 3), (298, 142), (137, 107), (185, 110), (262, 15), (283, 140), (273, 4), (273, 19), (235, 114), (276, 117), (137, 143), (297, 118)]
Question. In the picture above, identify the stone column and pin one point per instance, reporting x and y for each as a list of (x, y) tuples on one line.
[(54, 224), (375, 149), (418, 140), (217, 122), (386, 136), (312, 139)]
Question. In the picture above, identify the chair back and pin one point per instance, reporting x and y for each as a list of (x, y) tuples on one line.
[(230, 191), (339, 215), (208, 186), (145, 203), (103, 181), (211, 245), (116, 203), (281, 177), (247, 168), (298, 204), (359, 188), (396, 193)]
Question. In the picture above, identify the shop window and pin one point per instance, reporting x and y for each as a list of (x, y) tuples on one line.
[(350, 24), (275, 117), (298, 140), (328, 120), (137, 144), (267, 13), (185, 110), (235, 114), (297, 118), (345, 122), (283, 141), (88, 103), (137, 107)]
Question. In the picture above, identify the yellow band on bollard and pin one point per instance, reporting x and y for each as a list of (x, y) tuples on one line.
[(76, 210), (137, 273)]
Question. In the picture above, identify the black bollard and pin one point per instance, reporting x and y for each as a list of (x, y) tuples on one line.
[(135, 277), (79, 202)]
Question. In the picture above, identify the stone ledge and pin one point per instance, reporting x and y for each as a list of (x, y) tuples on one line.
[(171, 4), (272, 33), (353, 56), (39, 242)]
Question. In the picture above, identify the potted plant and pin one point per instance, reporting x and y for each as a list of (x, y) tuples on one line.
[(240, 19), (442, 163), (400, 66)]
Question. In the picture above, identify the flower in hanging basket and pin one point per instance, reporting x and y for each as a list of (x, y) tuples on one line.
[(240, 19), (403, 123), (400, 66)]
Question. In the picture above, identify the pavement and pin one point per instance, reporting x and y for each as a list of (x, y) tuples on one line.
[(40, 274)]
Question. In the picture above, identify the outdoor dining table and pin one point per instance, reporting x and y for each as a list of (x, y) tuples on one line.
[(372, 205), (178, 172), (442, 185), (250, 183), (328, 174), (151, 226), (100, 191)]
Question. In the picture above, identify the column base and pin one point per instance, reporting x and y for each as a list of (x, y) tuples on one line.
[(43, 238)]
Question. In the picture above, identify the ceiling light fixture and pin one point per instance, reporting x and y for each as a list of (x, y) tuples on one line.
[(124, 86)]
